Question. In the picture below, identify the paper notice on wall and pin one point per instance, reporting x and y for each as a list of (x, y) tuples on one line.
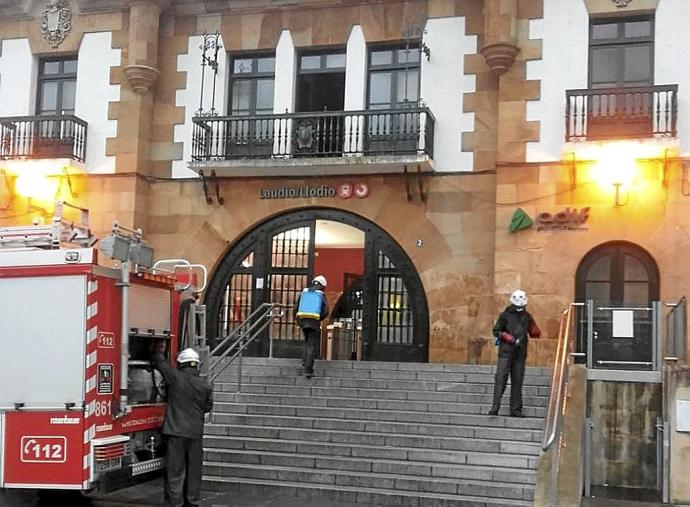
[(682, 415), (259, 283), (622, 324)]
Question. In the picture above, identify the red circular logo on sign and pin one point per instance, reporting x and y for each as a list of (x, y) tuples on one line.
[(361, 190), (345, 191)]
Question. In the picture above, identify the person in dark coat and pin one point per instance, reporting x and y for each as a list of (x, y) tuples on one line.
[(311, 308), (189, 398), (513, 328)]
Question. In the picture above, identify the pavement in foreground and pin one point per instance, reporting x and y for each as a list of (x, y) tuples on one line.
[(150, 494)]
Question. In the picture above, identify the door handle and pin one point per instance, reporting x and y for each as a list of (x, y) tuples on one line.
[(595, 334)]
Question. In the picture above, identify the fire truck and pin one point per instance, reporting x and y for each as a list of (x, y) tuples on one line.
[(80, 405)]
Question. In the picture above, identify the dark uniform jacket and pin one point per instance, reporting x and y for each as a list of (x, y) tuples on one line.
[(189, 398), (306, 323), (520, 324)]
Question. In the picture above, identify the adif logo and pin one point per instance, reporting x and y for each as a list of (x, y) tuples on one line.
[(568, 219), (520, 220)]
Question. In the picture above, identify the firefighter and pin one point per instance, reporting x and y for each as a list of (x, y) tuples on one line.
[(311, 308), (189, 398), (512, 330)]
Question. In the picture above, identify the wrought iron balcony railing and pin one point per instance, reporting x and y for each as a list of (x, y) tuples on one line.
[(615, 113), (408, 131), (60, 136)]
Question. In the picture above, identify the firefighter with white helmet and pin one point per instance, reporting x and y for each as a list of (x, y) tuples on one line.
[(311, 308), (189, 397), (512, 329)]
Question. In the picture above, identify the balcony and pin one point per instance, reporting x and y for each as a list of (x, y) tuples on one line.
[(342, 141), (621, 113), (36, 137)]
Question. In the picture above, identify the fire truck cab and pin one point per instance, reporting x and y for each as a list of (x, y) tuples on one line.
[(80, 405)]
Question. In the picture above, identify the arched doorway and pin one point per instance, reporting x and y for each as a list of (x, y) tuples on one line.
[(621, 280), (276, 259)]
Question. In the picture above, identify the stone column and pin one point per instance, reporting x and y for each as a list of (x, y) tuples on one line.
[(135, 110), (142, 61), (500, 34)]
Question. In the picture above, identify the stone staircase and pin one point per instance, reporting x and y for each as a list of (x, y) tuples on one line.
[(375, 433)]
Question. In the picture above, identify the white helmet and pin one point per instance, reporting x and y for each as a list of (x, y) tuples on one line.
[(321, 280), (188, 356), (519, 298)]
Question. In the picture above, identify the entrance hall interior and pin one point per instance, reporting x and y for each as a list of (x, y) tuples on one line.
[(339, 256)]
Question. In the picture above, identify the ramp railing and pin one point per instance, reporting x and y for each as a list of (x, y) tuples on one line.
[(553, 428)]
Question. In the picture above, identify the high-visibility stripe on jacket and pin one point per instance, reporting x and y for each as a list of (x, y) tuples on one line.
[(310, 304)]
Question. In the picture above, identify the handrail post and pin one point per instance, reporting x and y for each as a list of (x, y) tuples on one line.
[(239, 364)]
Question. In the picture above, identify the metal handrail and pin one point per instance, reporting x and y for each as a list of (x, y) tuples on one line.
[(558, 379), (557, 391), (243, 336)]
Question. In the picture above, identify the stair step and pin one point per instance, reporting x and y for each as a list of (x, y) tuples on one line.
[(409, 375), (506, 475), (368, 403), (380, 481), (354, 494), (381, 415), (363, 425), (359, 383), (377, 438), (483, 394), (371, 451), (382, 365)]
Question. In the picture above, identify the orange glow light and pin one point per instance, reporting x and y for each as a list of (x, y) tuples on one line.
[(617, 163), (36, 186)]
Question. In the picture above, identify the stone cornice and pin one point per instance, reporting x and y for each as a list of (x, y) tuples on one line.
[(17, 9), (25, 9)]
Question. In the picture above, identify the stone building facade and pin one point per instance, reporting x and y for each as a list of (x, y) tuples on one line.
[(492, 81), (474, 147)]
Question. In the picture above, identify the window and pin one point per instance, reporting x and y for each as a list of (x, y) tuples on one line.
[(394, 77), (621, 52), (57, 86), (251, 93), (252, 85), (321, 81), (323, 62)]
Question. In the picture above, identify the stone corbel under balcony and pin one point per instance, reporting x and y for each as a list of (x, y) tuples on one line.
[(141, 77), (500, 56)]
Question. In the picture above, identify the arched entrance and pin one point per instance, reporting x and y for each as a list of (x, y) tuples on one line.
[(621, 280), (275, 260), (620, 333)]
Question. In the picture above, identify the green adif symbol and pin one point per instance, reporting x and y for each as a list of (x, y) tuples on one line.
[(520, 220)]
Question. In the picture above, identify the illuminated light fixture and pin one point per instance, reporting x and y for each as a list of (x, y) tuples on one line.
[(36, 186), (42, 180), (616, 164)]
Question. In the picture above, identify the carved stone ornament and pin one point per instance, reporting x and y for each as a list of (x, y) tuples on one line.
[(500, 57), (621, 3), (141, 77), (56, 22)]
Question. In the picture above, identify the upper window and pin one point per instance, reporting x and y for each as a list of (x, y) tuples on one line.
[(322, 62), (621, 52), (252, 82), (57, 86), (393, 77)]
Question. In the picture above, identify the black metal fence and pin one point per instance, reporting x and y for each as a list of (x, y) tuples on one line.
[(60, 136), (330, 133), (613, 113)]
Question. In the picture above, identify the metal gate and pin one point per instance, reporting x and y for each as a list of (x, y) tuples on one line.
[(624, 429), (275, 261), (621, 337)]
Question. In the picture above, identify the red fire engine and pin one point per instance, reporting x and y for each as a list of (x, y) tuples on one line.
[(80, 405)]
